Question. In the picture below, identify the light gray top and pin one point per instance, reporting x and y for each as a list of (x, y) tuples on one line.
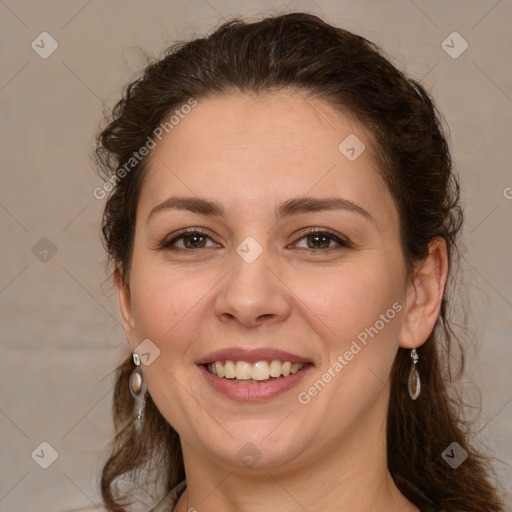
[(170, 500)]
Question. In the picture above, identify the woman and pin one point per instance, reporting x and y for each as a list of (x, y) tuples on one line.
[(282, 228)]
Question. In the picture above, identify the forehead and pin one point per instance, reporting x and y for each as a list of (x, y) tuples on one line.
[(266, 148)]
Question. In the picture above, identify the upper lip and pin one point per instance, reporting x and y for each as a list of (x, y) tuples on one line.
[(251, 356)]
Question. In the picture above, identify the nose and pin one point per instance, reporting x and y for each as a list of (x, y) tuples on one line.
[(252, 294)]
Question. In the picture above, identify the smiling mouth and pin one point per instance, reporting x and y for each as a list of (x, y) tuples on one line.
[(253, 373)]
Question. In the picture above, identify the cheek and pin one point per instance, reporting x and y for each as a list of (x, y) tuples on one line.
[(352, 298), (164, 303)]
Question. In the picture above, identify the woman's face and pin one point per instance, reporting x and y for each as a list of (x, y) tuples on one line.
[(255, 285)]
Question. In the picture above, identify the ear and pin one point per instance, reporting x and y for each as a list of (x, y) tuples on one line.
[(125, 308), (424, 295)]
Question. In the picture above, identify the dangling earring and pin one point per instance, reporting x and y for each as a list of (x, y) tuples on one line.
[(137, 386), (414, 383)]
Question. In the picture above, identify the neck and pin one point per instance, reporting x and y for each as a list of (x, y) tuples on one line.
[(350, 474)]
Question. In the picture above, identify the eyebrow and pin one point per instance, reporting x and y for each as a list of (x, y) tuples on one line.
[(288, 208)]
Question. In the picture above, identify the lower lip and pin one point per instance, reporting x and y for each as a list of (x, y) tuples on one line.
[(256, 391)]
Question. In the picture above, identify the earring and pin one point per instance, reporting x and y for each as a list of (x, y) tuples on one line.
[(414, 383), (137, 386)]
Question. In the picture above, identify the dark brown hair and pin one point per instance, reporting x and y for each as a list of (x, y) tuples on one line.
[(301, 52)]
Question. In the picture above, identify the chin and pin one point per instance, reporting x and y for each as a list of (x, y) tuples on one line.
[(255, 447)]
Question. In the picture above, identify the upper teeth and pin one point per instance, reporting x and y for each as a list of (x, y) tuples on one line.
[(260, 370)]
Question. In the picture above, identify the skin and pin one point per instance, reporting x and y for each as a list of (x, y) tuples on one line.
[(250, 154)]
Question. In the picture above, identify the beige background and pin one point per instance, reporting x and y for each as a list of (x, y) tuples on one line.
[(60, 335)]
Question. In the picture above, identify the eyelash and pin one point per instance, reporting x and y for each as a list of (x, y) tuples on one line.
[(343, 242)]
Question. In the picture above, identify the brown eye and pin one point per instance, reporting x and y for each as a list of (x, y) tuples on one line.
[(318, 240), (189, 240), (194, 241)]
